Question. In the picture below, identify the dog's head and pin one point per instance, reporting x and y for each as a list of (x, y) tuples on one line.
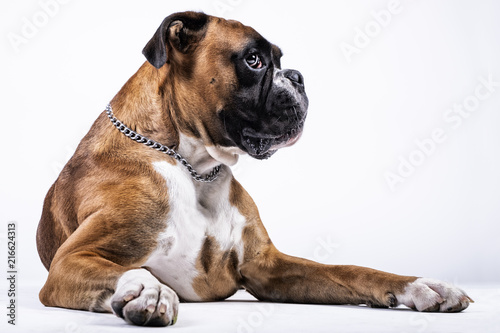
[(230, 89)]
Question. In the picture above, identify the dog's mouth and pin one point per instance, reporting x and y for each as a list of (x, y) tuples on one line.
[(263, 145)]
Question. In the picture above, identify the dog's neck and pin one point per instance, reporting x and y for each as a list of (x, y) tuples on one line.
[(152, 117), (142, 111)]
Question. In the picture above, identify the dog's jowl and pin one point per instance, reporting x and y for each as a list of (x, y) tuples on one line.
[(147, 213)]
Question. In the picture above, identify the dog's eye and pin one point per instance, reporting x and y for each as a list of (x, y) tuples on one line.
[(253, 60)]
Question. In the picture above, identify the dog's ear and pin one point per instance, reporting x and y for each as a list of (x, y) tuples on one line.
[(180, 31)]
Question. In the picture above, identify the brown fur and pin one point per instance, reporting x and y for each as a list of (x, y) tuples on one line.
[(107, 205), (219, 275)]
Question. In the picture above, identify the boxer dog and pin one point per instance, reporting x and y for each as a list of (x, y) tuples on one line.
[(147, 213)]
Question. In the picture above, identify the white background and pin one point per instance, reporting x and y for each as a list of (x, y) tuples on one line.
[(326, 198)]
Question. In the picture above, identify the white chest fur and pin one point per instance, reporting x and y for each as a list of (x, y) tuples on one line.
[(196, 210)]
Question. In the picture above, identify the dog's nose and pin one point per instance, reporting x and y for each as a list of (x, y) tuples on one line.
[(294, 76)]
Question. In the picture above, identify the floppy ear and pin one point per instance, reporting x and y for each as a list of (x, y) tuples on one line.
[(181, 30)]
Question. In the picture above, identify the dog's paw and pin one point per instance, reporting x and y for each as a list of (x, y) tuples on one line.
[(431, 295), (141, 299)]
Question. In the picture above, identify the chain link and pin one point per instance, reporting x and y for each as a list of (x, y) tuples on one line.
[(161, 148)]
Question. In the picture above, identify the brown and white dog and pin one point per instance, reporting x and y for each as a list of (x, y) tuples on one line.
[(127, 229)]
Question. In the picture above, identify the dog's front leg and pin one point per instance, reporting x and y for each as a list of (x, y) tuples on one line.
[(274, 276), (271, 275), (90, 272)]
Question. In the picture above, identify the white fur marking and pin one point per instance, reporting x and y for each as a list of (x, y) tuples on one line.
[(196, 210), (225, 155), (425, 293), (145, 291)]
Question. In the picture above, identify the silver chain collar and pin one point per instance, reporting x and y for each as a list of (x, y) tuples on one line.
[(161, 148)]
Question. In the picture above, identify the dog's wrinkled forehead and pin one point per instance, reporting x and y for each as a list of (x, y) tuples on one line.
[(182, 33), (234, 35)]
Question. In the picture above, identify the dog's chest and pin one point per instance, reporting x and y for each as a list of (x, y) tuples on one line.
[(202, 230)]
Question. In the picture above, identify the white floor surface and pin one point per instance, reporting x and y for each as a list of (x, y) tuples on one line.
[(243, 314)]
